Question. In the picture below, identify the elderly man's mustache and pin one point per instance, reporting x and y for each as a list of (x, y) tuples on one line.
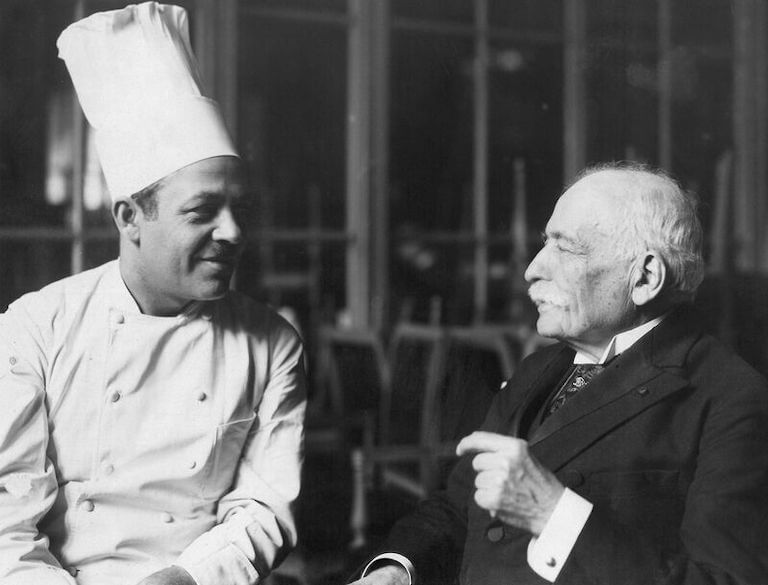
[(541, 292)]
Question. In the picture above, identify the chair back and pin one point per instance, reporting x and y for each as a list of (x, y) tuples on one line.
[(357, 371), (478, 360), (417, 360)]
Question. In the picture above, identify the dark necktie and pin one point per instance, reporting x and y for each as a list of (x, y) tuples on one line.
[(581, 375)]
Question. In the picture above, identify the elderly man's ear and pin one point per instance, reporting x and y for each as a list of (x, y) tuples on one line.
[(649, 278), (126, 212)]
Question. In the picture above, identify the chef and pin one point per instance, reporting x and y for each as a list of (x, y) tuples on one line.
[(152, 419)]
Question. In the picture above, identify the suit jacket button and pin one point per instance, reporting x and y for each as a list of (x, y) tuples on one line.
[(495, 532), (642, 391), (573, 478)]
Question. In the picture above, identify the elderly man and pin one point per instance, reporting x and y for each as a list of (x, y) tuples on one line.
[(151, 426), (633, 452)]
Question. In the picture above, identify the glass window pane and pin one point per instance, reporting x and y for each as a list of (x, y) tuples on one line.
[(429, 277), (431, 133), (28, 265), (703, 23), (527, 16), (457, 11), (292, 119), (525, 128), (430, 168), (622, 81), (32, 83), (306, 277), (325, 6), (621, 22)]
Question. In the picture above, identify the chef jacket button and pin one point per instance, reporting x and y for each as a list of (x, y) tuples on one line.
[(201, 397), (495, 532), (12, 360), (109, 469), (551, 562), (166, 517), (116, 396), (192, 464), (88, 505), (119, 319)]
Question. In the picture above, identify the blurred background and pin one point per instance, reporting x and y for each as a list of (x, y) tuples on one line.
[(404, 156)]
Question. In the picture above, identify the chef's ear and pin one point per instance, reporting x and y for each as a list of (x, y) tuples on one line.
[(649, 278), (126, 213)]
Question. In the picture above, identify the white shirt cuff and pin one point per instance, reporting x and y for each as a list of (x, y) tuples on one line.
[(547, 553), (230, 565), (399, 559)]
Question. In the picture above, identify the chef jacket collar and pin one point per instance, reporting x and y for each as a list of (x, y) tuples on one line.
[(121, 299)]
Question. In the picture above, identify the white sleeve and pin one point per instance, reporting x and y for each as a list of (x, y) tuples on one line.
[(28, 484), (547, 553), (397, 558), (256, 526)]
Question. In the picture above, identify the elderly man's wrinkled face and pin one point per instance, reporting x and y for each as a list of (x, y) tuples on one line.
[(190, 251), (580, 280)]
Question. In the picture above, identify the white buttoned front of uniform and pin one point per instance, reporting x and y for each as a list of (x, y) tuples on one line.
[(146, 440)]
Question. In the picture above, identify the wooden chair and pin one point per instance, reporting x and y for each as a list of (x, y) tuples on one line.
[(403, 457), (478, 360), (353, 376), (441, 384)]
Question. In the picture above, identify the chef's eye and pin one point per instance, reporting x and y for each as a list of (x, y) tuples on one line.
[(204, 212)]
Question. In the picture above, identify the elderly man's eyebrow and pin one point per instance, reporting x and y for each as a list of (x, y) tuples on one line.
[(561, 237)]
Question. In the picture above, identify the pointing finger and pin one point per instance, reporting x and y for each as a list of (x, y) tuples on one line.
[(481, 441)]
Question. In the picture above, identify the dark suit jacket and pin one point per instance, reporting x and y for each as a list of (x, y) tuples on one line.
[(670, 444)]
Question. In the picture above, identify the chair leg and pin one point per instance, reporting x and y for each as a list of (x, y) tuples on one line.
[(358, 519), (366, 464)]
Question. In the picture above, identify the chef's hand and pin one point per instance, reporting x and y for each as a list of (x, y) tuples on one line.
[(510, 483), (393, 574), (172, 575)]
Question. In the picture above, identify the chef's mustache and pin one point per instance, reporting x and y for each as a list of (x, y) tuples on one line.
[(221, 251)]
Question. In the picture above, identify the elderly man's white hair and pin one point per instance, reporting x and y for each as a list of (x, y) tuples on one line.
[(662, 217)]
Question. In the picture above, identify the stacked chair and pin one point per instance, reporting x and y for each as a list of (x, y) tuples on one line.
[(400, 410)]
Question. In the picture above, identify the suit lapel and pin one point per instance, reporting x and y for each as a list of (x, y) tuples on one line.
[(648, 372), (534, 387)]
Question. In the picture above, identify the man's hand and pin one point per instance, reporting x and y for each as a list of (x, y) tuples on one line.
[(386, 575), (169, 576), (510, 483)]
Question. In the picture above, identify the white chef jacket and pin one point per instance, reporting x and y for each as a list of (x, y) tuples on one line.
[(129, 442)]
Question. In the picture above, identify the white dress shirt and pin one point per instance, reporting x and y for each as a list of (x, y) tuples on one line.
[(130, 442)]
